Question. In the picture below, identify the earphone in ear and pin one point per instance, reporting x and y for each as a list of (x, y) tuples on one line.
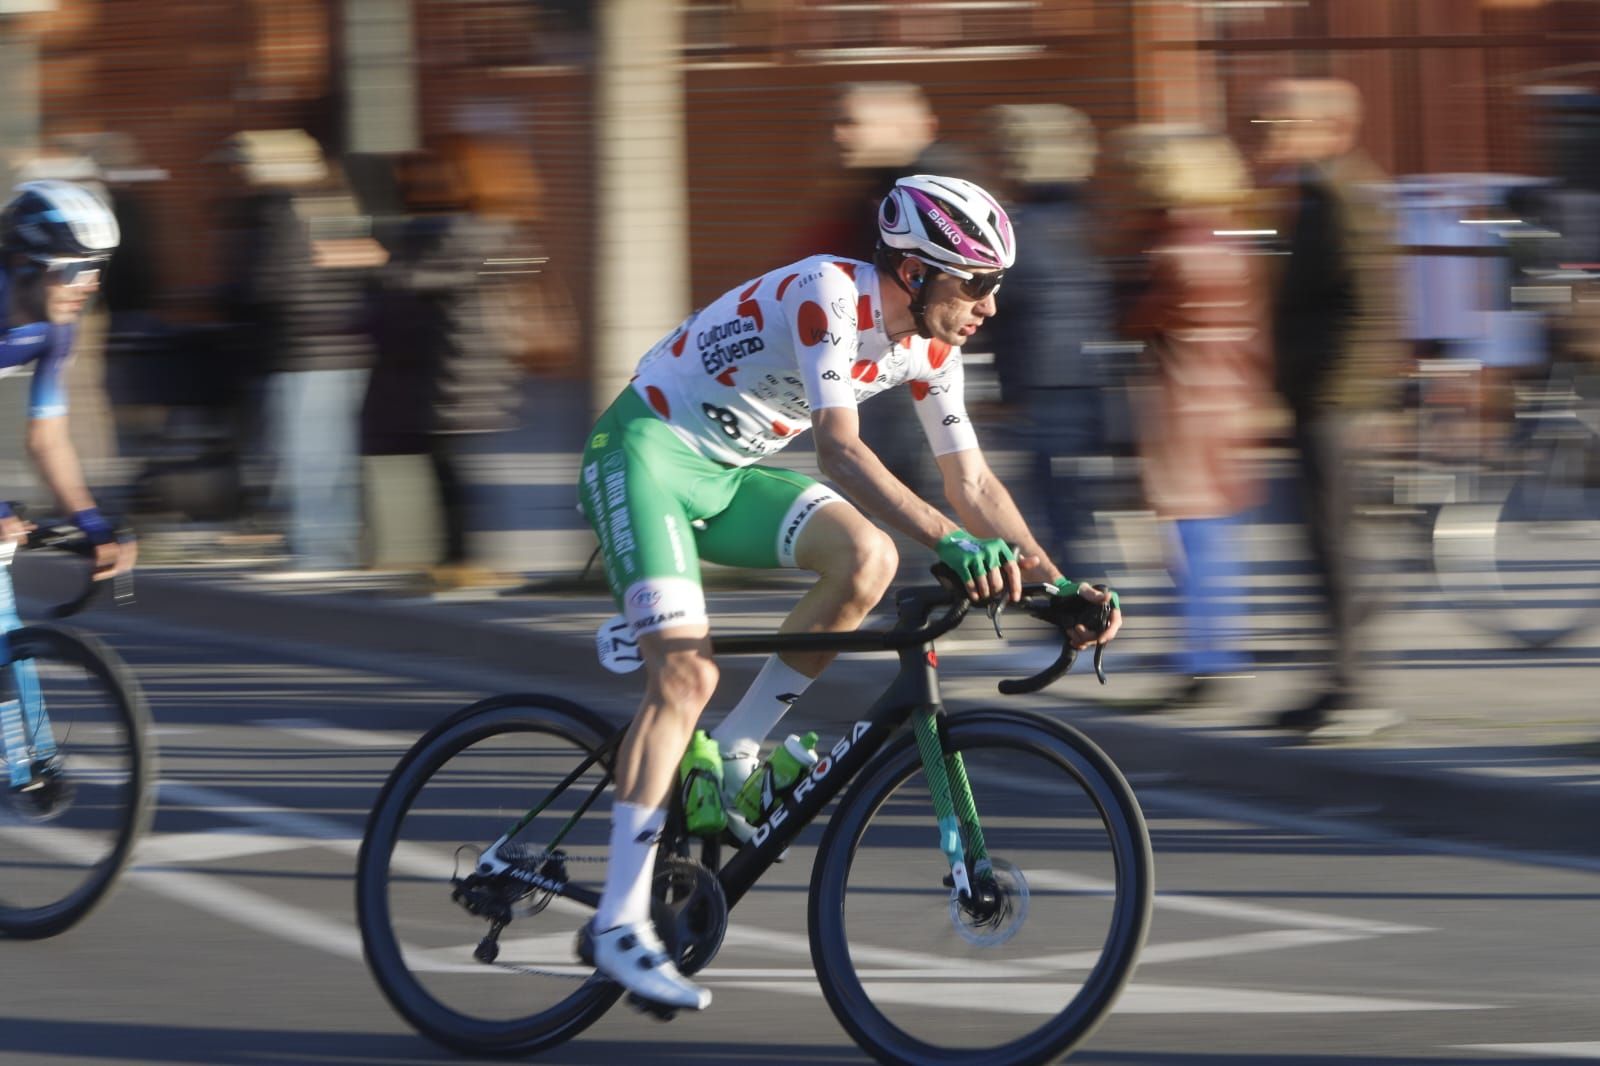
[(916, 281)]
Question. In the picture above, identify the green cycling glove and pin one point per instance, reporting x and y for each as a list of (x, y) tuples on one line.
[(972, 557), (1066, 586)]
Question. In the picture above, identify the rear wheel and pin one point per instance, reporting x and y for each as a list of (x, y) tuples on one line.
[(480, 963), (77, 784), (1023, 972)]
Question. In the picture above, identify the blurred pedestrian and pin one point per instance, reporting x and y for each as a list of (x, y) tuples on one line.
[(882, 131), (1200, 313), (442, 373), (1334, 335), (1058, 305), (296, 295)]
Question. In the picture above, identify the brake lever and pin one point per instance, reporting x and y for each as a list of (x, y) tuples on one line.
[(995, 609)]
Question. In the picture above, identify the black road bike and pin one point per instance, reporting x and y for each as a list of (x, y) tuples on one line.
[(936, 936)]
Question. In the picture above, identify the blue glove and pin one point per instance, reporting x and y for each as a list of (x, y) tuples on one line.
[(971, 557)]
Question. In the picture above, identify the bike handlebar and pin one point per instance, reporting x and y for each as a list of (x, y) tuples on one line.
[(66, 537), (915, 630), (1064, 613)]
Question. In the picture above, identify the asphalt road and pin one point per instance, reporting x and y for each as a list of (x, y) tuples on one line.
[(1277, 939)]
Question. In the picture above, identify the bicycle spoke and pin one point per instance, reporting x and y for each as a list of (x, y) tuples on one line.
[(74, 786), (480, 958), (1027, 965)]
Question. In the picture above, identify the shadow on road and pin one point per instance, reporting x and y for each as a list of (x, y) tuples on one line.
[(86, 1041)]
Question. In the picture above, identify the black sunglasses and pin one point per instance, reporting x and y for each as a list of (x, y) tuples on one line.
[(980, 286), (973, 286)]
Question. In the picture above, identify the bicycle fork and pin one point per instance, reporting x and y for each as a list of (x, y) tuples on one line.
[(953, 804)]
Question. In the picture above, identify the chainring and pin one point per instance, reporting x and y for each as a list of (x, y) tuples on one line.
[(690, 912)]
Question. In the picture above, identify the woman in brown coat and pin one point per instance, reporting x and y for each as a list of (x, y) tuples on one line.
[(1201, 316)]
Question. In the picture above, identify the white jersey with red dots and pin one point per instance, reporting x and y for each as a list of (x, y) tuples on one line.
[(741, 377)]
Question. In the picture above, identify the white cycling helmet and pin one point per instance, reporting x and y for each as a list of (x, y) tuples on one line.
[(947, 221), (58, 219)]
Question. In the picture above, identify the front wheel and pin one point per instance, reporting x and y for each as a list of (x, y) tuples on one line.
[(1022, 975), (485, 963), (77, 775)]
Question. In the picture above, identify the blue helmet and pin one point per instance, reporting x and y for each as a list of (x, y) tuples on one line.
[(57, 220)]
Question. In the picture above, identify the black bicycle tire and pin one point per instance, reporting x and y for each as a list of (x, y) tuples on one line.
[(1100, 778), (82, 650), (438, 1022)]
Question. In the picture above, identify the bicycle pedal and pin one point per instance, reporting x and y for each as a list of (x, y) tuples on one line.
[(658, 1011)]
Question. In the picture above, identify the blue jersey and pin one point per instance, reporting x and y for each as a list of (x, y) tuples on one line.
[(42, 345)]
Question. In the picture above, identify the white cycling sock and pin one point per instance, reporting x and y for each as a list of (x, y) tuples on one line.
[(634, 832), (776, 687)]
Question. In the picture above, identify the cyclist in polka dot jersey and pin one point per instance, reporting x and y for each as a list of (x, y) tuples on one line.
[(740, 378), (668, 478)]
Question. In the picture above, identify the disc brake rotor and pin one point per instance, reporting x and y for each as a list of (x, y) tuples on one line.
[(999, 907)]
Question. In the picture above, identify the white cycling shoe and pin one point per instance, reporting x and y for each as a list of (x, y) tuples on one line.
[(634, 957)]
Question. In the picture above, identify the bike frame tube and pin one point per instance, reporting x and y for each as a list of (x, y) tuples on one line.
[(966, 807), (915, 690)]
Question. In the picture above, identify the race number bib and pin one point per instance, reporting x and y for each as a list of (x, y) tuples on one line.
[(616, 647)]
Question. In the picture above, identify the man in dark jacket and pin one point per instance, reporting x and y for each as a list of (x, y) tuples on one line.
[(1334, 328)]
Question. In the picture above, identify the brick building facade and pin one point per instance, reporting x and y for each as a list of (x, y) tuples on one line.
[(1443, 78)]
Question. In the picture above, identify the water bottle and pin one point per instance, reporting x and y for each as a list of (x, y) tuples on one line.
[(701, 775), (792, 760)]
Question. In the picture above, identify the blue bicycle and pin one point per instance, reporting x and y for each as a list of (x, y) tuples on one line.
[(77, 766)]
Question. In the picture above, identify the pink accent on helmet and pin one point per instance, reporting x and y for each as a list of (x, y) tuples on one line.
[(937, 219)]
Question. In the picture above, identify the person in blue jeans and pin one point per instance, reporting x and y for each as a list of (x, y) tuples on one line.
[(55, 238), (1202, 317)]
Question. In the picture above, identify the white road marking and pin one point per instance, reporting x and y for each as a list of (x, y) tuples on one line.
[(1045, 998), (1230, 909), (169, 849), (325, 733), (1589, 1050), (228, 899)]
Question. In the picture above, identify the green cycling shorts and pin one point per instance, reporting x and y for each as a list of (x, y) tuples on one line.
[(659, 507)]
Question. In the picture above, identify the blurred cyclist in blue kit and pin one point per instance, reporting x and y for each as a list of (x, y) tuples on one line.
[(55, 239)]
